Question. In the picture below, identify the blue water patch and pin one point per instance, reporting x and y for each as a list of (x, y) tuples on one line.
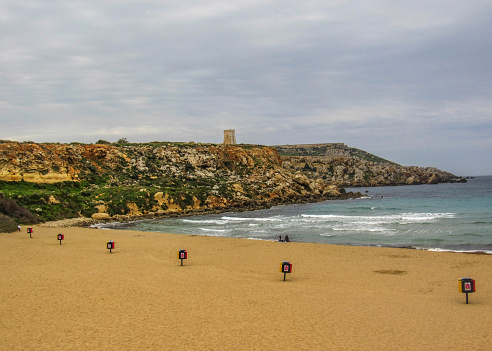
[(441, 216)]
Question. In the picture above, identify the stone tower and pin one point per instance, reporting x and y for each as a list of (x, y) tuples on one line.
[(230, 137)]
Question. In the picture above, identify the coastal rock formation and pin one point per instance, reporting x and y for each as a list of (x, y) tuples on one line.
[(118, 181), (53, 163), (343, 166), (353, 172), (144, 180)]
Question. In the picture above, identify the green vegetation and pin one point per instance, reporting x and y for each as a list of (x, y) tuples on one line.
[(49, 202), (11, 214), (340, 150), (122, 141), (7, 224), (127, 174), (367, 156)]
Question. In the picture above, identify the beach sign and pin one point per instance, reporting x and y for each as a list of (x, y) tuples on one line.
[(466, 286), (61, 237), (285, 267), (110, 245), (182, 255), (29, 231)]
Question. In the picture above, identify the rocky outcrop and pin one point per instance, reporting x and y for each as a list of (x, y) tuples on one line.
[(344, 166), (116, 182), (145, 180), (329, 151), (355, 172), (53, 163)]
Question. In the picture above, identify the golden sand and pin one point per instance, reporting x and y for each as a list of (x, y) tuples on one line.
[(230, 295)]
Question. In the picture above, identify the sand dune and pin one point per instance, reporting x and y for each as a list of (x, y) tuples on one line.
[(230, 295)]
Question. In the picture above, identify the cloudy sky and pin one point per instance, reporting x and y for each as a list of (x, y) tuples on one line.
[(410, 81)]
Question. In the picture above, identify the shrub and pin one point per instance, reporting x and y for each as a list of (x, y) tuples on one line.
[(7, 224), (10, 208)]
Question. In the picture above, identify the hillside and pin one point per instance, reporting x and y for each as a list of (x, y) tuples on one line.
[(116, 182), (344, 166), (329, 150)]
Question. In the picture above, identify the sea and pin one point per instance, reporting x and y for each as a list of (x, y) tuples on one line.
[(441, 217)]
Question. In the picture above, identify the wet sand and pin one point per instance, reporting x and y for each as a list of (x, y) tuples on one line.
[(230, 295)]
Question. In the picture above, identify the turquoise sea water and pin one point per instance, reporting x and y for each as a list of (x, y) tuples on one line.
[(455, 217)]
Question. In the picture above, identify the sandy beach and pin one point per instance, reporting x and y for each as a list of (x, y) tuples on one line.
[(230, 295)]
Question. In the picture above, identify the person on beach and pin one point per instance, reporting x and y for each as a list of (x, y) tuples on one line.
[(19, 227), (280, 239), (286, 239)]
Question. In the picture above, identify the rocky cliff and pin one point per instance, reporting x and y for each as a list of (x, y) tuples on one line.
[(344, 166), (102, 181)]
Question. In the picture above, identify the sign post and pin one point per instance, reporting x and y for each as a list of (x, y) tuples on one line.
[(29, 231), (182, 255), (110, 245), (466, 286), (61, 237), (285, 267)]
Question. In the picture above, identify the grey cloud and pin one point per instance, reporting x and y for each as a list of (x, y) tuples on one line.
[(395, 78)]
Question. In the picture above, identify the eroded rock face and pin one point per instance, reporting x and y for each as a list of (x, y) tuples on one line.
[(170, 178), (332, 191), (53, 163), (165, 177), (354, 172), (101, 216)]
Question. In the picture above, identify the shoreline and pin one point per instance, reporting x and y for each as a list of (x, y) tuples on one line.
[(86, 221), (127, 226), (229, 294), (111, 225)]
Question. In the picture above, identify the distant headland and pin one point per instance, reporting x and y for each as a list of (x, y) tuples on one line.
[(119, 181)]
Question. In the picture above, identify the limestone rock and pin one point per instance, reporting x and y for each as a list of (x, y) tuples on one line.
[(301, 179), (101, 216), (53, 200), (354, 172), (168, 178), (101, 208), (332, 191)]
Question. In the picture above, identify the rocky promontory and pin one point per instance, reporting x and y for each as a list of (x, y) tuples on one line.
[(120, 181), (344, 166)]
